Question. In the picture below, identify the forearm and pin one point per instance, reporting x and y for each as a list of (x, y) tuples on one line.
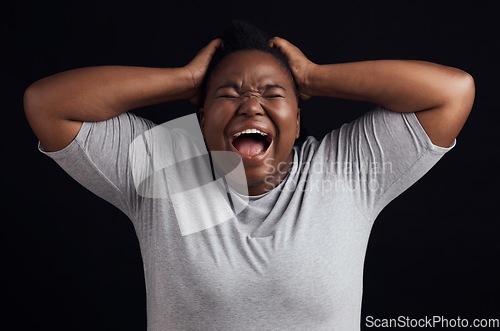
[(100, 93), (399, 85)]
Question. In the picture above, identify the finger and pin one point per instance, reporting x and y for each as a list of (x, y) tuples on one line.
[(272, 42), (205, 54), (212, 46), (279, 42), (216, 43)]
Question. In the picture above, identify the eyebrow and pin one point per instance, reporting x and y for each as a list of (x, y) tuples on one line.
[(261, 88)]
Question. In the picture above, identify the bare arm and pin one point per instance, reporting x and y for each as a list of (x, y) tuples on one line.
[(57, 105), (441, 96)]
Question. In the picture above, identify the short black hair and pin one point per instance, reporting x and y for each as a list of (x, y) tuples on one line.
[(241, 35)]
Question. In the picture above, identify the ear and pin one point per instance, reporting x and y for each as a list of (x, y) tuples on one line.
[(297, 133)]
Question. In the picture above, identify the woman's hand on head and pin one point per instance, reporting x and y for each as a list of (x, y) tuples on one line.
[(198, 68), (301, 66)]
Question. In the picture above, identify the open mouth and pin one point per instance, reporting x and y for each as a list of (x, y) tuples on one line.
[(251, 145)]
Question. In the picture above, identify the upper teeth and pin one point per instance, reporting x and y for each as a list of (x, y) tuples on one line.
[(249, 131)]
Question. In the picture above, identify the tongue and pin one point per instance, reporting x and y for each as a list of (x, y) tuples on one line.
[(249, 146)]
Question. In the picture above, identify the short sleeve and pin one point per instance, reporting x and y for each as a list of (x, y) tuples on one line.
[(382, 154), (98, 158)]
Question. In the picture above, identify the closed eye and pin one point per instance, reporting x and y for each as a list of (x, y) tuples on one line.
[(227, 96), (273, 96)]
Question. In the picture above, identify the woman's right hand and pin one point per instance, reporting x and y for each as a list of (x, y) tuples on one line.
[(198, 68)]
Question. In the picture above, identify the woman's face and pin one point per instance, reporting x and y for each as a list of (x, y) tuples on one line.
[(250, 90)]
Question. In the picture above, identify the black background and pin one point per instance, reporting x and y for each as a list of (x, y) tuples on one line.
[(72, 261)]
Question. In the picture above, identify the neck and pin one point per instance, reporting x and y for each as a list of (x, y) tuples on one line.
[(270, 181), (257, 181)]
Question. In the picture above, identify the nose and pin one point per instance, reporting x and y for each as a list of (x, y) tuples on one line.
[(250, 106)]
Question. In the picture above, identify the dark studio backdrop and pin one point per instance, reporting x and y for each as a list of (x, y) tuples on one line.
[(72, 262)]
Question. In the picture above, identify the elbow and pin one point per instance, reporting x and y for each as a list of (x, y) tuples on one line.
[(459, 93), (36, 101), (465, 91), (470, 86), (32, 99)]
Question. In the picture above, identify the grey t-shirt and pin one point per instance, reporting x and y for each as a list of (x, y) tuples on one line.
[(293, 258)]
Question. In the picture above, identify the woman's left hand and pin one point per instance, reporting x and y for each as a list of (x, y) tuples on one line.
[(301, 66)]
